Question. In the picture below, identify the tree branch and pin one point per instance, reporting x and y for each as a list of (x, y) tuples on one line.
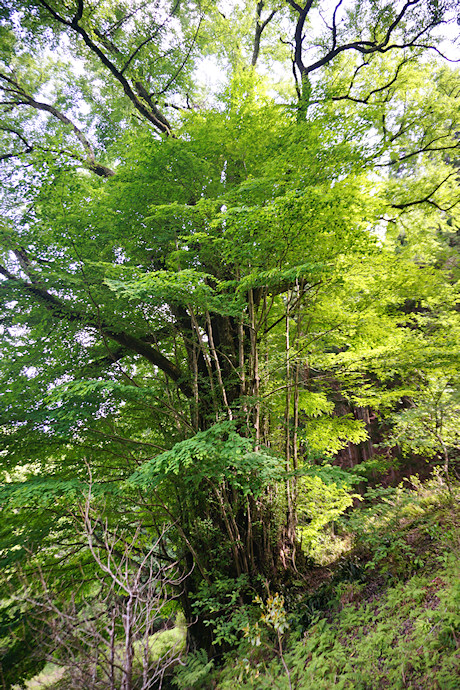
[(64, 312), (365, 99), (182, 64), (28, 147), (365, 47), (23, 98), (427, 199), (424, 149), (92, 164), (260, 26), (152, 114), (147, 40)]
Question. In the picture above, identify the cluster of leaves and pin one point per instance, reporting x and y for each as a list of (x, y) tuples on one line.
[(216, 455)]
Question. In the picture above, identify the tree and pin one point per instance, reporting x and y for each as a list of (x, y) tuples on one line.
[(176, 291), (430, 424)]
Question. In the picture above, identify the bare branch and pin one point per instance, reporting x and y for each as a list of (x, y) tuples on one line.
[(109, 634)]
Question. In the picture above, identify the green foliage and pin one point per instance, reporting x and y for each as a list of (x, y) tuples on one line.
[(330, 434), (221, 603), (430, 425), (393, 641), (195, 672), (319, 503), (215, 455), (18, 661), (396, 525)]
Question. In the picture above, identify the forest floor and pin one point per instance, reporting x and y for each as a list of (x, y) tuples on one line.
[(385, 614), (379, 609)]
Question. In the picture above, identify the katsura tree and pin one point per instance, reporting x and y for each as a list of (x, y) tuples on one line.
[(177, 289)]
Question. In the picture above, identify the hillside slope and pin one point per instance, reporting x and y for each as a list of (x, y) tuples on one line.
[(387, 617)]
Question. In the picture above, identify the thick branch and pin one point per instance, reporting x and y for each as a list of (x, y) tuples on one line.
[(365, 47), (21, 97), (427, 199), (298, 36), (151, 113), (260, 26), (64, 312), (92, 164)]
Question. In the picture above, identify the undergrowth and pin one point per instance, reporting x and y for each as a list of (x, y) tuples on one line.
[(388, 616)]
